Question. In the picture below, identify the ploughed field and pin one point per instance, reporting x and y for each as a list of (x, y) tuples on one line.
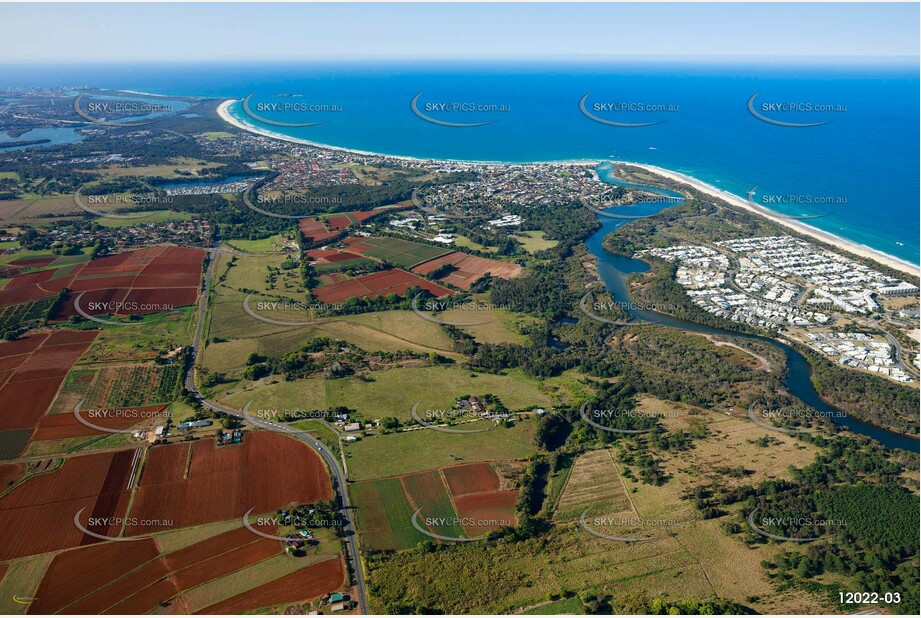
[(135, 282), (174, 486), (137, 577), (32, 369), (464, 501)]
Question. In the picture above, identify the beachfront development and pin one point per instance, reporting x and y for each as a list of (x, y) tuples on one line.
[(786, 284)]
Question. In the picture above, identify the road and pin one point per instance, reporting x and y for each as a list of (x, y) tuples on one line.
[(331, 462)]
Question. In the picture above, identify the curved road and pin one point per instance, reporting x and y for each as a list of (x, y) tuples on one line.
[(331, 462)]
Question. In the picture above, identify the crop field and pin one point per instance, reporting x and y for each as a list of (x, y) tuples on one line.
[(593, 484), (424, 449), (381, 283), (468, 268), (118, 385), (14, 315), (199, 482), (273, 243), (139, 576), (384, 514), (32, 207), (31, 372), (137, 282), (41, 509), (457, 501), (403, 253), (429, 495), (306, 584), (63, 426)]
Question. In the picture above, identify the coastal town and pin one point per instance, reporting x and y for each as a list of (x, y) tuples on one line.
[(782, 283)]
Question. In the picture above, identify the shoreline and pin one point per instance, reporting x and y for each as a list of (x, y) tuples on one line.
[(836, 241)]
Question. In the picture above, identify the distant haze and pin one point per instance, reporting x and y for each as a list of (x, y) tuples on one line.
[(207, 32)]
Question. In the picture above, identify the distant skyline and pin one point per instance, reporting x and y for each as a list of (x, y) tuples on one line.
[(66, 33)]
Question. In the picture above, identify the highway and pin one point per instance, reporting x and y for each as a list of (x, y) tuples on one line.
[(331, 462)]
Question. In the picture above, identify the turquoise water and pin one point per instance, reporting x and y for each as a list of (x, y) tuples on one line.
[(865, 160), (614, 271)]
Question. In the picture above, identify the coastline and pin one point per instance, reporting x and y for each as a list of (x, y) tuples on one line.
[(735, 200)]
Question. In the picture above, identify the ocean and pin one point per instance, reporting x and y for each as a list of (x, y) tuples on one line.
[(859, 170)]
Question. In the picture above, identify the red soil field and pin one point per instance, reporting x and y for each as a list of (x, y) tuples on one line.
[(471, 479), (229, 562), (314, 230), (339, 222), (198, 554), (60, 426), (395, 281), (107, 283), (32, 261), (330, 256), (104, 598), (308, 583), (25, 345), (497, 507), (146, 599), (156, 277), (38, 515), (225, 482), (9, 474), (73, 574), (469, 268), (41, 363), (209, 548)]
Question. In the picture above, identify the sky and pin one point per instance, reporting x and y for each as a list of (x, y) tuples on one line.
[(59, 33)]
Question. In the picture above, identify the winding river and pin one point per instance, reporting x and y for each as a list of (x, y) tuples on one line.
[(614, 270)]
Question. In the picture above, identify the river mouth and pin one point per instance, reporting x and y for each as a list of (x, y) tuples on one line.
[(614, 270)]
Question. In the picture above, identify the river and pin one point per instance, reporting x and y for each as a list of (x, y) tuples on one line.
[(614, 270)]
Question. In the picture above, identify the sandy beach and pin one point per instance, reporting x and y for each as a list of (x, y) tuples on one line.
[(735, 200), (798, 226)]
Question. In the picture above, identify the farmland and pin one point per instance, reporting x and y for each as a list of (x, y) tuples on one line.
[(31, 372), (402, 253), (424, 449), (458, 501), (190, 484), (393, 392), (468, 268), (393, 281), (138, 282), (137, 577), (94, 482), (687, 558)]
